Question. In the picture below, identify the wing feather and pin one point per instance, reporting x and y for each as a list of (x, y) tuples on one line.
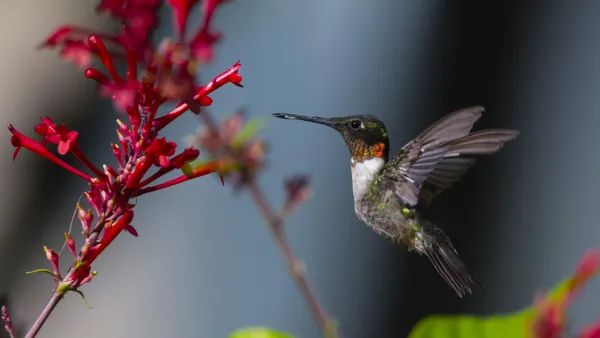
[(441, 154), (411, 167), (461, 155)]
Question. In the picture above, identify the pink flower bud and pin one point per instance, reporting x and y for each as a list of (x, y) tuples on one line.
[(70, 244), (53, 259), (88, 278)]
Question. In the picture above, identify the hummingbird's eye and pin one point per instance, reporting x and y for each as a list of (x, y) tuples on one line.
[(355, 124)]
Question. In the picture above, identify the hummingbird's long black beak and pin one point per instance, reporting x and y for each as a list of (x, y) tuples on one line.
[(313, 119)]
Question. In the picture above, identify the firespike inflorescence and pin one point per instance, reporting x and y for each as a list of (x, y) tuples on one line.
[(169, 73)]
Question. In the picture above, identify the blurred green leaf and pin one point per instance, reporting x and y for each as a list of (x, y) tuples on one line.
[(258, 332), (515, 325), (248, 131), (187, 169)]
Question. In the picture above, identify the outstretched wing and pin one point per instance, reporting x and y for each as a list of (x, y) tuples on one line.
[(411, 166), (460, 155)]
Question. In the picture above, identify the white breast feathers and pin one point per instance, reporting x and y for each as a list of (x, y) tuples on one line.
[(362, 173)]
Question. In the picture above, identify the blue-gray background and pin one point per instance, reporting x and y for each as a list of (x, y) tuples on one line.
[(204, 264)]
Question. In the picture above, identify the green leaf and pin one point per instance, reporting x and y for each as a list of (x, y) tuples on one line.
[(83, 297), (258, 332), (514, 325), (248, 131), (40, 270)]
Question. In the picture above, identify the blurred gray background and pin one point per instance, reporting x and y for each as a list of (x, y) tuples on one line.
[(204, 263)]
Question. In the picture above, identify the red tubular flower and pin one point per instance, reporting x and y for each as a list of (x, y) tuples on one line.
[(188, 155), (81, 273), (60, 35), (139, 171), (170, 75), (199, 171), (131, 230), (19, 140), (230, 75), (110, 233), (177, 162), (78, 53), (162, 149), (122, 93), (47, 127), (88, 278), (73, 44), (549, 320), (59, 135), (100, 49), (64, 138), (591, 331), (588, 267), (203, 41), (181, 10)]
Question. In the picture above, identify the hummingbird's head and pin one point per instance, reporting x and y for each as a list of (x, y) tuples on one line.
[(365, 135)]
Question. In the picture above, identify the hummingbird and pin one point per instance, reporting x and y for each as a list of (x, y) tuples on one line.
[(391, 194)]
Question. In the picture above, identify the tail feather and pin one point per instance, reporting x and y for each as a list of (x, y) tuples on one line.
[(448, 264)]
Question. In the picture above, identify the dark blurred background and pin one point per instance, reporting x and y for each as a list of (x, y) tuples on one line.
[(204, 264)]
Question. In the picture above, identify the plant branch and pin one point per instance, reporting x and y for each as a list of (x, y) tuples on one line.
[(39, 322), (295, 265), (276, 226)]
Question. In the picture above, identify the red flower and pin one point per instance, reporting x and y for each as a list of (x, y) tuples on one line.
[(188, 155), (169, 74), (162, 149), (204, 40), (60, 135), (123, 94), (45, 128), (64, 138), (588, 267), (181, 10), (549, 320), (591, 331), (19, 141), (77, 52)]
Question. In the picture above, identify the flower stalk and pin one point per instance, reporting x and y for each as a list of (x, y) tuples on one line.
[(154, 75), (247, 158), (142, 156)]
